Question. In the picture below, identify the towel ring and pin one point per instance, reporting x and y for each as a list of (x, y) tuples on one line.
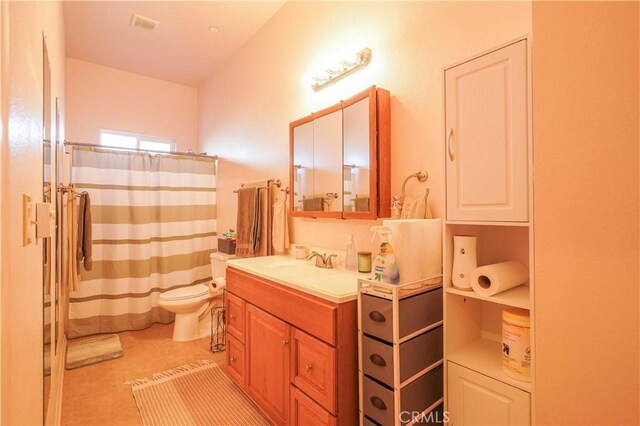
[(421, 176)]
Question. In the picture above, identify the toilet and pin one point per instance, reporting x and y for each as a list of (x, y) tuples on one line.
[(192, 304)]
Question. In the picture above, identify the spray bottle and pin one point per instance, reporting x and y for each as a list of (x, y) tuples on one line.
[(385, 267)]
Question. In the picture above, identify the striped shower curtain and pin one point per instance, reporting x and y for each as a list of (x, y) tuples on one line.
[(154, 221)]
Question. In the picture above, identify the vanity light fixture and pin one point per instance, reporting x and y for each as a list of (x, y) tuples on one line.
[(346, 68)]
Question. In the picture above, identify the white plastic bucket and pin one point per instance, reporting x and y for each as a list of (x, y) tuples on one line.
[(516, 344)]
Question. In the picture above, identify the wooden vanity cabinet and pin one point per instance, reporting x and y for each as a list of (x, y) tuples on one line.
[(299, 352)]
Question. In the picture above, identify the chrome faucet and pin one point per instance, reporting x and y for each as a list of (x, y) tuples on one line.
[(322, 260)]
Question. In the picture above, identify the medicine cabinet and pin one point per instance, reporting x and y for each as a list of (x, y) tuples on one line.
[(340, 159)]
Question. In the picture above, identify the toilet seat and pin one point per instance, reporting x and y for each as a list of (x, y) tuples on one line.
[(183, 293)]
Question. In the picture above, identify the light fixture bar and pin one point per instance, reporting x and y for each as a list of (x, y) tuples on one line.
[(346, 68)]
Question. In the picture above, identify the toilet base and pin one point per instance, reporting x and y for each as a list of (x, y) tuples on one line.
[(186, 327)]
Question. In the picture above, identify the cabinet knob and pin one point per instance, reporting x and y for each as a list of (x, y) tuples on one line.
[(376, 316), (232, 359), (308, 367), (233, 316), (285, 342)]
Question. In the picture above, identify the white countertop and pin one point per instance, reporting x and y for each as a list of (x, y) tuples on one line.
[(335, 285)]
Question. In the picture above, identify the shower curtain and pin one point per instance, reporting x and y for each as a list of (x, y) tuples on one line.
[(154, 221)]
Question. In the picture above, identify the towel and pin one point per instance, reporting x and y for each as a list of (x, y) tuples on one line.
[(84, 250), (280, 233), (248, 218), (70, 273), (413, 208)]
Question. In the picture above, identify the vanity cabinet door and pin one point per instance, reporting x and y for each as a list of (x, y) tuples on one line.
[(306, 412), (267, 347), (486, 119)]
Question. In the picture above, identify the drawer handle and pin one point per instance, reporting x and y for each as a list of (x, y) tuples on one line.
[(378, 360), (285, 342), (378, 403), (376, 316), (233, 316), (308, 367), (233, 359)]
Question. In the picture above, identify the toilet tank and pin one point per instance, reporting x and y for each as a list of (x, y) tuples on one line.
[(219, 264)]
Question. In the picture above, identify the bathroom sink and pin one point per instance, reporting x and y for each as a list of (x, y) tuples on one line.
[(337, 284)]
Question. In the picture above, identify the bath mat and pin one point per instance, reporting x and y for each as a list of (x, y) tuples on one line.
[(194, 394), (92, 350)]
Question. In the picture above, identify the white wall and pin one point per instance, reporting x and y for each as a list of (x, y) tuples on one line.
[(23, 24), (245, 108), (100, 97)]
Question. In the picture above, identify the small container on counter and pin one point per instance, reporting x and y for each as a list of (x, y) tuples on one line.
[(364, 261), (300, 252)]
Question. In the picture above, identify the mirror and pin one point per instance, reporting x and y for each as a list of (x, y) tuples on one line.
[(47, 193), (338, 167)]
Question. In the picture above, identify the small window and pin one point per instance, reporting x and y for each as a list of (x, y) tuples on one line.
[(115, 139)]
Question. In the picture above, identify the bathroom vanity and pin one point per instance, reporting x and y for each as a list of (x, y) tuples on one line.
[(292, 342)]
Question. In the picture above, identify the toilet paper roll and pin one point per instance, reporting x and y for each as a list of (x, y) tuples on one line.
[(216, 286), (492, 279)]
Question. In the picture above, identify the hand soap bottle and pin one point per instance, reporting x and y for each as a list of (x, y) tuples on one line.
[(385, 267), (350, 261)]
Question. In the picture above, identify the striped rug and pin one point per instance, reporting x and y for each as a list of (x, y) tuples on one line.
[(194, 394)]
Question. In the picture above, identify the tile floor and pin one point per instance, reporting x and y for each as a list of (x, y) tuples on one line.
[(97, 395)]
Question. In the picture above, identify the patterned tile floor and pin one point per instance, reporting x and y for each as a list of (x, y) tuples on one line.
[(97, 395)]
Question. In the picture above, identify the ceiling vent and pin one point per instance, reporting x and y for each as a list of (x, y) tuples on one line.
[(142, 22)]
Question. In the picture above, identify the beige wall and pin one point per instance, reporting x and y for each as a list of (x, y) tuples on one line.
[(246, 107), (23, 24), (585, 79), (100, 97)]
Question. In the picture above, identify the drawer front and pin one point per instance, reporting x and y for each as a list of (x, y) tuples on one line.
[(315, 316), (313, 369), (415, 313), (416, 396), (235, 316), (235, 361), (306, 412), (415, 355)]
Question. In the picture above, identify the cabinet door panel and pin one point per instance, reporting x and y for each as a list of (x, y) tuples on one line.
[(487, 137), (267, 350), (475, 399)]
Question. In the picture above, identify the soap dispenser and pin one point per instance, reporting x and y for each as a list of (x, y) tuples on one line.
[(350, 261)]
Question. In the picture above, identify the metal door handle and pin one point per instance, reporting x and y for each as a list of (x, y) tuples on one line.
[(378, 403), (378, 360), (449, 137), (376, 316)]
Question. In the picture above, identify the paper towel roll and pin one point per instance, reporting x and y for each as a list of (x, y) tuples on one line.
[(492, 279), (417, 245), (216, 286)]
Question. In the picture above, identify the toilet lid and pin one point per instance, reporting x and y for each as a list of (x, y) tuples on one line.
[(188, 292)]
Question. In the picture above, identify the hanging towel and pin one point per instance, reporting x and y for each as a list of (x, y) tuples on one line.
[(265, 197), (72, 278), (413, 208), (248, 221), (280, 226), (84, 251)]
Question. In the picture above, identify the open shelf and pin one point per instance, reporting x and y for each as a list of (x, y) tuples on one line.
[(517, 297), (485, 357), (484, 223)]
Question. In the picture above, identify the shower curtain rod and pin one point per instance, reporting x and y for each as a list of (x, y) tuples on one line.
[(190, 154)]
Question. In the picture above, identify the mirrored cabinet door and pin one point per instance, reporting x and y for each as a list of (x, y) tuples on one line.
[(358, 140), (327, 157), (302, 169)]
